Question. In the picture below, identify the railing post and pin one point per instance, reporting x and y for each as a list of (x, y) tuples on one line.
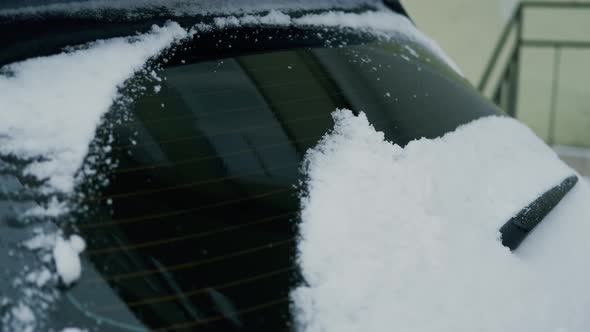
[(554, 95), (492, 62), (515, 64)]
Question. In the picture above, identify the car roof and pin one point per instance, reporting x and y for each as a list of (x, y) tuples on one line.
[(193, 5)]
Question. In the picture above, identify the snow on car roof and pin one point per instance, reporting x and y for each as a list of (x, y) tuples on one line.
[(383, 23), (381, 20), (177, 7), (406, 239)]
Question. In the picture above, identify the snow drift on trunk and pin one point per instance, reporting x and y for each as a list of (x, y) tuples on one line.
[(407, 239), (51, 106)]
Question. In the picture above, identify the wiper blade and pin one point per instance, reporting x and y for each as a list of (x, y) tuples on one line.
[(518, 227)]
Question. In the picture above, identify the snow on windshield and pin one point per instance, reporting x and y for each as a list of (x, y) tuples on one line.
[(407, 239), (50, 109), (52, 105)]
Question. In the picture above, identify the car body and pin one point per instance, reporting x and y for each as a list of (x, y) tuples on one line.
[(190, 215)]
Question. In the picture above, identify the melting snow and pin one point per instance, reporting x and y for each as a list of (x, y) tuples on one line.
[(406, 239), (52, 105)]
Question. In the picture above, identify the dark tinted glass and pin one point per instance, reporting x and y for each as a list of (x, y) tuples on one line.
[(196, 229)]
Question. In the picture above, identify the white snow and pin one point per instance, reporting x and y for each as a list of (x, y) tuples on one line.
[(66, 256), (412, 51), (23, 319), (43, 277), (52, 105), (382, 23), (54, 208), (406, 239), (73, 329), (41, 241), (184, 7), (274, 17), (23, 313), (39, 278)]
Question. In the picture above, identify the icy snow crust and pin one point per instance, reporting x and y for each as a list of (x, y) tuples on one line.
[(406, 239)]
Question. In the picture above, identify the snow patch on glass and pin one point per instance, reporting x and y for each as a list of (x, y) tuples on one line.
[(51, 106), (50, 109), (407, 239)]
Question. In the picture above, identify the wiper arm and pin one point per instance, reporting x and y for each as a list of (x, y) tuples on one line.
[(518, 227)]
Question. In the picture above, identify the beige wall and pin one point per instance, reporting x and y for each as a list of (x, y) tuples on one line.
[(468, 31)]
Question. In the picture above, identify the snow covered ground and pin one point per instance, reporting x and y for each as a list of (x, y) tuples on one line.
[(406, 239)]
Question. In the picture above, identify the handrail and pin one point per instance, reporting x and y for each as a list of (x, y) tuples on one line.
[(500, 78), (499, 47), (556, 4), (516, 17)]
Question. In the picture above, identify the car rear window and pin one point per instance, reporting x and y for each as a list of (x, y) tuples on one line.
[(191, 217)]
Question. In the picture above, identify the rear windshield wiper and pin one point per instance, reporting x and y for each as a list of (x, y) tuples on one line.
[(518, 227)]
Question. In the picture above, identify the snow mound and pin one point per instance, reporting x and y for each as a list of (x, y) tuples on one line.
[(66, 256), (407, 239), (51, 106)]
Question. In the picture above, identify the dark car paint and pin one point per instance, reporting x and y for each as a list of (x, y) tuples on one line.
[(445, 99)]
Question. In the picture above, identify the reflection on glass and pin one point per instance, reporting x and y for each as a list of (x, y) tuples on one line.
[(201, 235)]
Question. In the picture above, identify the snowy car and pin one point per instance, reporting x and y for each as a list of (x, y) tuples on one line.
[(270, 166)]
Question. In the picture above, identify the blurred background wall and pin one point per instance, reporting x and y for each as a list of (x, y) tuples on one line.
[(553, 84)]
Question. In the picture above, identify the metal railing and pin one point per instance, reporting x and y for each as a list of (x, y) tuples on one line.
[(500, 79)]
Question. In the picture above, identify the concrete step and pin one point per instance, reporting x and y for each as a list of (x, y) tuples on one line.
[(576, 157)]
